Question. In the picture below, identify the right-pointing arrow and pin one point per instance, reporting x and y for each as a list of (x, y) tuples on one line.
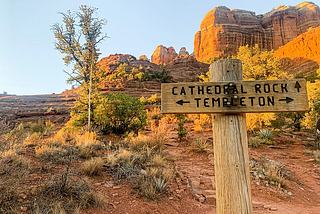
[(288, 100)]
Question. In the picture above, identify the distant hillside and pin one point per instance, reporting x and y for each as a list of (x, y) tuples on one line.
[(302, 55), (136, 77)]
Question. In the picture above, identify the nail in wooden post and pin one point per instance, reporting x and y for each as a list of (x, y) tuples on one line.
[(232, 173)]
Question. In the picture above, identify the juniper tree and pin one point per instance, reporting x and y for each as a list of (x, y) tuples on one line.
[(77, 38)]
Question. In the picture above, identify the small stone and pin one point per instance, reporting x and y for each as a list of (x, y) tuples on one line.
[(23, 196), (143, 172), (211, 157), (208, 192), (273, 209), (170, 198), (211, 199), (258, 183), (115, 195), (256, 204), (116, 187), (20, 200), (197, 196), (202, 199), (267, 207), (24, 209), (290, 193)]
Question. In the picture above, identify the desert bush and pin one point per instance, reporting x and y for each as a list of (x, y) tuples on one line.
[(265, 134), (201, 146), (119, 113), (53, 153), (271, 171), (163, 76), (10, 143), (144, 164), (151, 188), (88, 139), (67, 135), (203, 122), (313, 153), (154, 100), (66, 195), (93, 167), (44, 128), (182, 132), (13, 171), (32, 140), (257, 121)]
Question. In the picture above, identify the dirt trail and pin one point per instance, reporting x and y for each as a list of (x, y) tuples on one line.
[(301, 197)]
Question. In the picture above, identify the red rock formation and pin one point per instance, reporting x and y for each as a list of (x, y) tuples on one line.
[(186, 68), (183, 52), (302, 54), (223, 31), (163, 55)]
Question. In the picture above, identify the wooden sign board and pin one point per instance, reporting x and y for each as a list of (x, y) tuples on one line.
[(235, 97)]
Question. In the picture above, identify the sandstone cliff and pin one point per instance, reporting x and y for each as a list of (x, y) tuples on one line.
[(163, 54), (223, 31), (302, 55)]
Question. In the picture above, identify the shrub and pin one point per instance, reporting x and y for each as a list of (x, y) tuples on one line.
[(13, 171), (44, 128), (182, 132), (93, 167), (162, 76), (53, 153), (154, 100), (201, 146), (120, 113), (269, 170), (66, 195), (265, 134)]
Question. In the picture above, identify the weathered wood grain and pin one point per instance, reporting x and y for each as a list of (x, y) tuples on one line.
[(242, 97), (232, 173)]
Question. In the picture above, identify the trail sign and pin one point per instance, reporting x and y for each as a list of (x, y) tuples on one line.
[(235, 96)]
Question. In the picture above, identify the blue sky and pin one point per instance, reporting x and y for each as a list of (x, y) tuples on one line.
[(29, 64)]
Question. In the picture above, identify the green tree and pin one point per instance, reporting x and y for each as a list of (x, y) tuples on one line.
[(119, 113), (260, 64), (77, 38)]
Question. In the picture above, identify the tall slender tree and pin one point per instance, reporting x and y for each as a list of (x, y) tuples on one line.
[(77, 38)]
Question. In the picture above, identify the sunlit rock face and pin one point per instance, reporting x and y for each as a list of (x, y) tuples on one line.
[(163, 54), (223, 31)]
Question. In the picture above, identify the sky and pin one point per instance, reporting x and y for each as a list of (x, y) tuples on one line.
[(29, 64)]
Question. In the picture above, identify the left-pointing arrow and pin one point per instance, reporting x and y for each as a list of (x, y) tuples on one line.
[(180, 102), (287, 99)]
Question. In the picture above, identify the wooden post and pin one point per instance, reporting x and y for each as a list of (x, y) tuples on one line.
[(233, 187)]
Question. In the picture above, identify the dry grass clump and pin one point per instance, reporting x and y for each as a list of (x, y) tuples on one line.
[(144, 164), (274, 173), (201, 146), (87, 139), (66, 195), (66, 136), (43, 128), (313, 153), (32, 140), (263, 137), (13, 170), (69, 142), (53, 152), (93, 167)]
